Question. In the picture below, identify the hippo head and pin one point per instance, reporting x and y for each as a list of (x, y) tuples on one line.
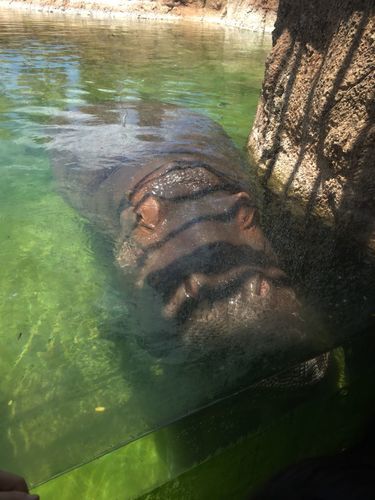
[(191, 238)]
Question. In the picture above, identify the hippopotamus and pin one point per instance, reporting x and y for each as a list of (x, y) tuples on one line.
[(172, 192)]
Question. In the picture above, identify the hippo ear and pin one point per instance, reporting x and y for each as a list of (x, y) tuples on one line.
[(246, 213), (150, 212)]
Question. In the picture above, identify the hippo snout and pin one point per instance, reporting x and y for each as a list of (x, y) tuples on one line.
[(205, 260)]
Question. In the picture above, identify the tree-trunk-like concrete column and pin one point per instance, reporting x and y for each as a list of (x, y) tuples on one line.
[(313, 137)]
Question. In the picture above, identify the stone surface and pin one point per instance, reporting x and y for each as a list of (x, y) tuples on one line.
[(313, 137)]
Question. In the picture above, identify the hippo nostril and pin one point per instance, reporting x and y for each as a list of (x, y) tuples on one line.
[(264, 287), (260, 286), (192, 286), (185, 294)]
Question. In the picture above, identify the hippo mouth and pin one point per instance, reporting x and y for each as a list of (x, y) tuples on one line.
[(260, 287), (232, 322), (239, 314), (255, 319), (185, 296)]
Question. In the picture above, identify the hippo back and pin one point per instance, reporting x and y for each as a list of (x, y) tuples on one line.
[(93, 147)]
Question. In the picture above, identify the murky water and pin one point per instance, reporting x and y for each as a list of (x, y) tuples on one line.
[(63, 377)]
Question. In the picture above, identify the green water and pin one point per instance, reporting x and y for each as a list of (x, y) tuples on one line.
[(69, 386)]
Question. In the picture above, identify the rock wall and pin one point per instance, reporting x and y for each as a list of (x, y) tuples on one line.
[(313, 137), (256, 15)]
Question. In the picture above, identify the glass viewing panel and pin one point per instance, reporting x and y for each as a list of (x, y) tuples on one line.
[(142, 276)]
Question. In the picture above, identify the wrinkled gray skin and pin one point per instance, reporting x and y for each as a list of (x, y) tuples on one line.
[(171, 190)]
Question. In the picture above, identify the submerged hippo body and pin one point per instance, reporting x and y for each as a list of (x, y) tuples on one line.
[(172, 191)]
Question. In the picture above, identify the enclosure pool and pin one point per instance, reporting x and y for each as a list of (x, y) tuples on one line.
[(85, 413)]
